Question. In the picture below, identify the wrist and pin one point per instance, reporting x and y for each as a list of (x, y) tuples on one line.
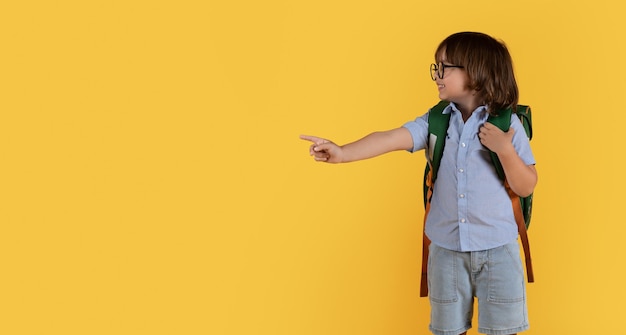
[(506, 150)]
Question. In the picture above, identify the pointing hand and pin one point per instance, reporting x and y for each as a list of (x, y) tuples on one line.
[(323, 150)]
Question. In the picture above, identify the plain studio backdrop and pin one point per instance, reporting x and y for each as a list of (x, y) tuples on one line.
[(152, 180)]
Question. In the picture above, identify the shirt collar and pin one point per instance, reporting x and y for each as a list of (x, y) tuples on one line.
[(452, 107)]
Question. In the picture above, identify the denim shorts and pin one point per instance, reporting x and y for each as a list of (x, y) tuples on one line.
[(495, 277)]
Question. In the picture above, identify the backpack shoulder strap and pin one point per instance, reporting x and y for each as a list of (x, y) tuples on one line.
[(437, 130), (503, 121), (525, 116)]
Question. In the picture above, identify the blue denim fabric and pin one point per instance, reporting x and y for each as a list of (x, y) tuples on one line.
[(495, 277)]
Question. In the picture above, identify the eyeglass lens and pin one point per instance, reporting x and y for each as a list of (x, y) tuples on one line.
[(433, 71), (436, 70)]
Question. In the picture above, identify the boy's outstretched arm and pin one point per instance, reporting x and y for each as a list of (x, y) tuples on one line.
[(372, 145)]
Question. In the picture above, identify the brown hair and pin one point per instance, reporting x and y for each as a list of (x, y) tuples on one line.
[(488, 64)]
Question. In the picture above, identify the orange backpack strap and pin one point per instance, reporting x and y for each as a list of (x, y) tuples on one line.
[(521, 228), (426, 240), (424, 280)]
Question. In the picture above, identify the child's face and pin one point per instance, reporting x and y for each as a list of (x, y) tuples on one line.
[(454, 85)]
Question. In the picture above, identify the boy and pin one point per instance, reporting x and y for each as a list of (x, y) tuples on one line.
[(471, 226)]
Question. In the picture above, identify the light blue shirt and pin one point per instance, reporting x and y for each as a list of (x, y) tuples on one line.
[(470, 208)]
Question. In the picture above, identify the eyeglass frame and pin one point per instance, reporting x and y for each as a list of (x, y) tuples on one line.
[(434, 68)]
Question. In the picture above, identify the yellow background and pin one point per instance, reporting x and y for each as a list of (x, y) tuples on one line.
[(152, 180)]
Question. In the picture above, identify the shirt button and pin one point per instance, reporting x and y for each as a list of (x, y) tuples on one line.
[(462, 220), (461, 195), (461, 170), (463, 144)]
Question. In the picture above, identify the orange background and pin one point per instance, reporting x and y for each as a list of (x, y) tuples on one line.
[(152, 180)]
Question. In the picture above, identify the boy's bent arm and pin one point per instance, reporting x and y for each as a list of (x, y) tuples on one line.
[(372, 145), (522, 178)]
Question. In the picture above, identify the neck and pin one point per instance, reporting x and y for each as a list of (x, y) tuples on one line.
[(466, 109), (467, 105)]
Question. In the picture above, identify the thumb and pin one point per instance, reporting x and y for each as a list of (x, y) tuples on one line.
[(511, 131), (323, 147)]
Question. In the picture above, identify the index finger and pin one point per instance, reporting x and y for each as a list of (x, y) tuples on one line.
[(314, 139), (488, 125)]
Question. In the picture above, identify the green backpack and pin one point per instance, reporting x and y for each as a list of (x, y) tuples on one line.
[(522, 206)]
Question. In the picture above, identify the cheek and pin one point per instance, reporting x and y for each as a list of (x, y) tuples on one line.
[(464, 84), (457, 86)]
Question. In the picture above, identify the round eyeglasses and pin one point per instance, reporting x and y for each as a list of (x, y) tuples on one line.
[(437, 70)]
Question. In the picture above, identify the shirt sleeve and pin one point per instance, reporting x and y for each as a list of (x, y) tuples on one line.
[(419, 131), (521, 143)]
